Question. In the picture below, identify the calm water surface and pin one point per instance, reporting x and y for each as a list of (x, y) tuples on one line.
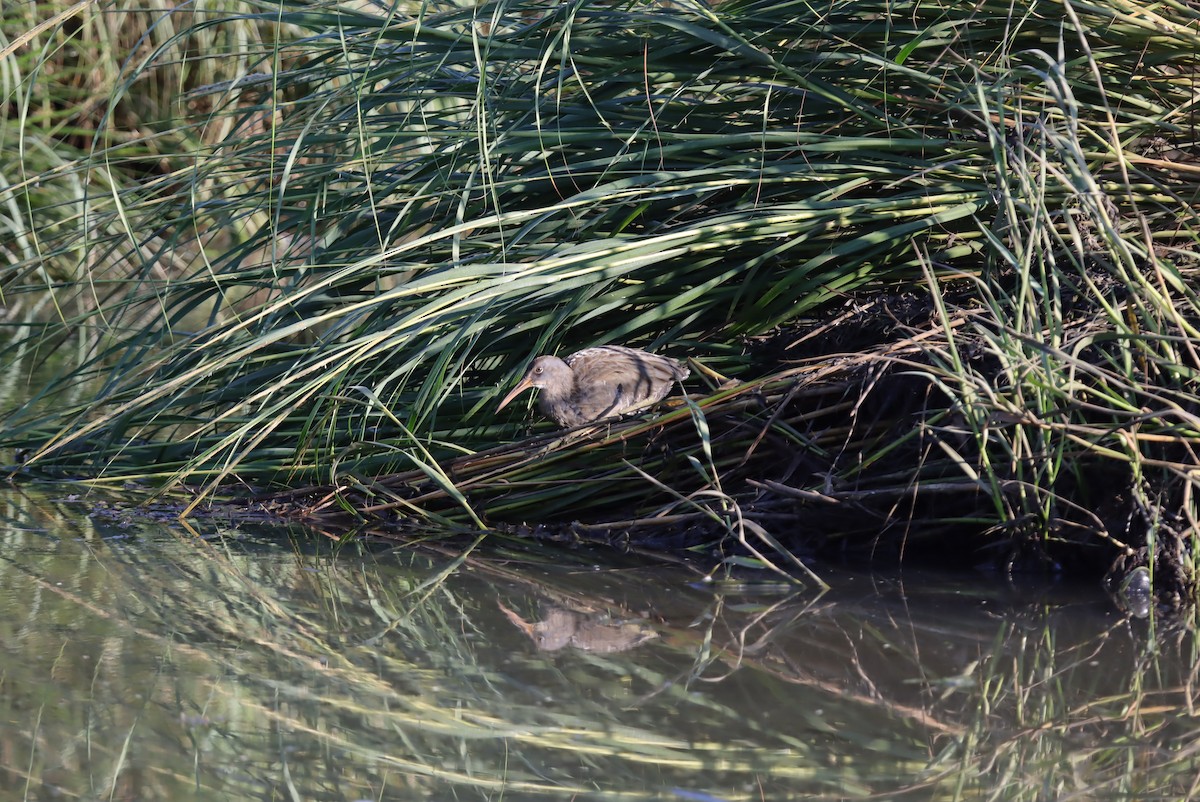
[(148, 661)]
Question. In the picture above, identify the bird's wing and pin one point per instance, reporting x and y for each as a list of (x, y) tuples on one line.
[(624, 375)]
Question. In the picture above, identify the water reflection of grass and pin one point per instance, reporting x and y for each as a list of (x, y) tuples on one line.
[(152, 663), (1064, 722)]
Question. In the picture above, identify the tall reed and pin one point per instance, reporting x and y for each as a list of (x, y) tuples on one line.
[(406, 204)]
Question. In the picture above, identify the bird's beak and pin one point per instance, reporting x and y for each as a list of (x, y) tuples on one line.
[(523, 385)]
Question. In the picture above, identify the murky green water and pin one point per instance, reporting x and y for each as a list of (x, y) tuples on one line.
[(143, 661)]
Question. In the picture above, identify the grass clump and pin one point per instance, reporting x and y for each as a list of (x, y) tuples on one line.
[(99, 109), (946, 250)]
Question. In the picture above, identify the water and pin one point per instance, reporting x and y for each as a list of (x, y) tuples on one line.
[(146, 661)]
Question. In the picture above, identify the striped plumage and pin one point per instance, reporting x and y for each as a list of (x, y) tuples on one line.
[(597, 383)]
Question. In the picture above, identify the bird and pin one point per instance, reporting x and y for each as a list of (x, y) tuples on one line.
[(597, 383)]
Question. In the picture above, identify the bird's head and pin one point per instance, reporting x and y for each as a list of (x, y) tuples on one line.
[(546, 372)]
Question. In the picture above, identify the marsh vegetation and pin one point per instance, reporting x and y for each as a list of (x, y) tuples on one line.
[(936, 260)]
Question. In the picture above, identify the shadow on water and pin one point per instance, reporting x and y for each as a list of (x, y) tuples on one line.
[(142, 661)]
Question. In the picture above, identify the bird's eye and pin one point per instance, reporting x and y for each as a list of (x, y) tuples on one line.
[(538, 370)]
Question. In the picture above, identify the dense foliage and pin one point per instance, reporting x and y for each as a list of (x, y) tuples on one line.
[(988, 211)]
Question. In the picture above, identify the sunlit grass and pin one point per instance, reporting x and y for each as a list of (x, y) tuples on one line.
[(353, 242)]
